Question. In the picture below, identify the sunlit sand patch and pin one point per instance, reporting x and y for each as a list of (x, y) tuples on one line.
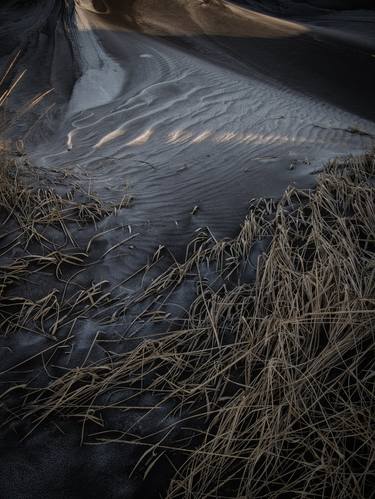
[(173, 136), (69, 142), (100, 6), (202, 137), (248, 138), (181, 136), (225, 137), (109, 137), (141, 139), (178, 137), (190, 18)]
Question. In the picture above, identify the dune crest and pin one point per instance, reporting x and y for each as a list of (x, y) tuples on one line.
[(190, 18)]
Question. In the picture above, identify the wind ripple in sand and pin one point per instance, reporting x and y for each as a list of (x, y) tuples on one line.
[(184, 131)]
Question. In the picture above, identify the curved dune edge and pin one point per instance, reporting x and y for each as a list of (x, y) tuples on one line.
[(264, 378)]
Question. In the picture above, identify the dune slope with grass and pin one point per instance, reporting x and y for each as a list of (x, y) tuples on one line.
[(264, 387)]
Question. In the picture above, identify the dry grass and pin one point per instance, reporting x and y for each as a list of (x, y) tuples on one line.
[(36, 236), (35, 209), (269, 382), (266, 389)]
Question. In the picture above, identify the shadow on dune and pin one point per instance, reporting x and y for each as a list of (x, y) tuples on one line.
[(307, 7), (327, 69), (311, 63)]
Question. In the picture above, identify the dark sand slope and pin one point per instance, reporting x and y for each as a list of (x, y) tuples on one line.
[(34, 41), (193, 108)]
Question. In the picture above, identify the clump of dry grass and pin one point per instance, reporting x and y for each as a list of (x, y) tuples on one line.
[(35, 209), (37, 235), (269, 383), (37, 226)]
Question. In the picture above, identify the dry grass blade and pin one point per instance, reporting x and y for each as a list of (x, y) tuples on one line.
[(267, 388)]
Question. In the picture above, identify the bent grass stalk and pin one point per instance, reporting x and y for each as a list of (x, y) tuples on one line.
[(268, 383)]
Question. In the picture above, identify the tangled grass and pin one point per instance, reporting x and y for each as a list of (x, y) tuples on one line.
[(269, 382), (36, 236)]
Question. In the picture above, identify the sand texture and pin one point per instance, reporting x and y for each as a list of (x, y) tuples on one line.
[(138, 127)]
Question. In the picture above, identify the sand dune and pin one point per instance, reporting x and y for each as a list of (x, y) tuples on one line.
[(190, 122), (193, 108)]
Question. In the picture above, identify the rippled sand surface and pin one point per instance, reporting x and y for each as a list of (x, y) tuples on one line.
[(201, 104)]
